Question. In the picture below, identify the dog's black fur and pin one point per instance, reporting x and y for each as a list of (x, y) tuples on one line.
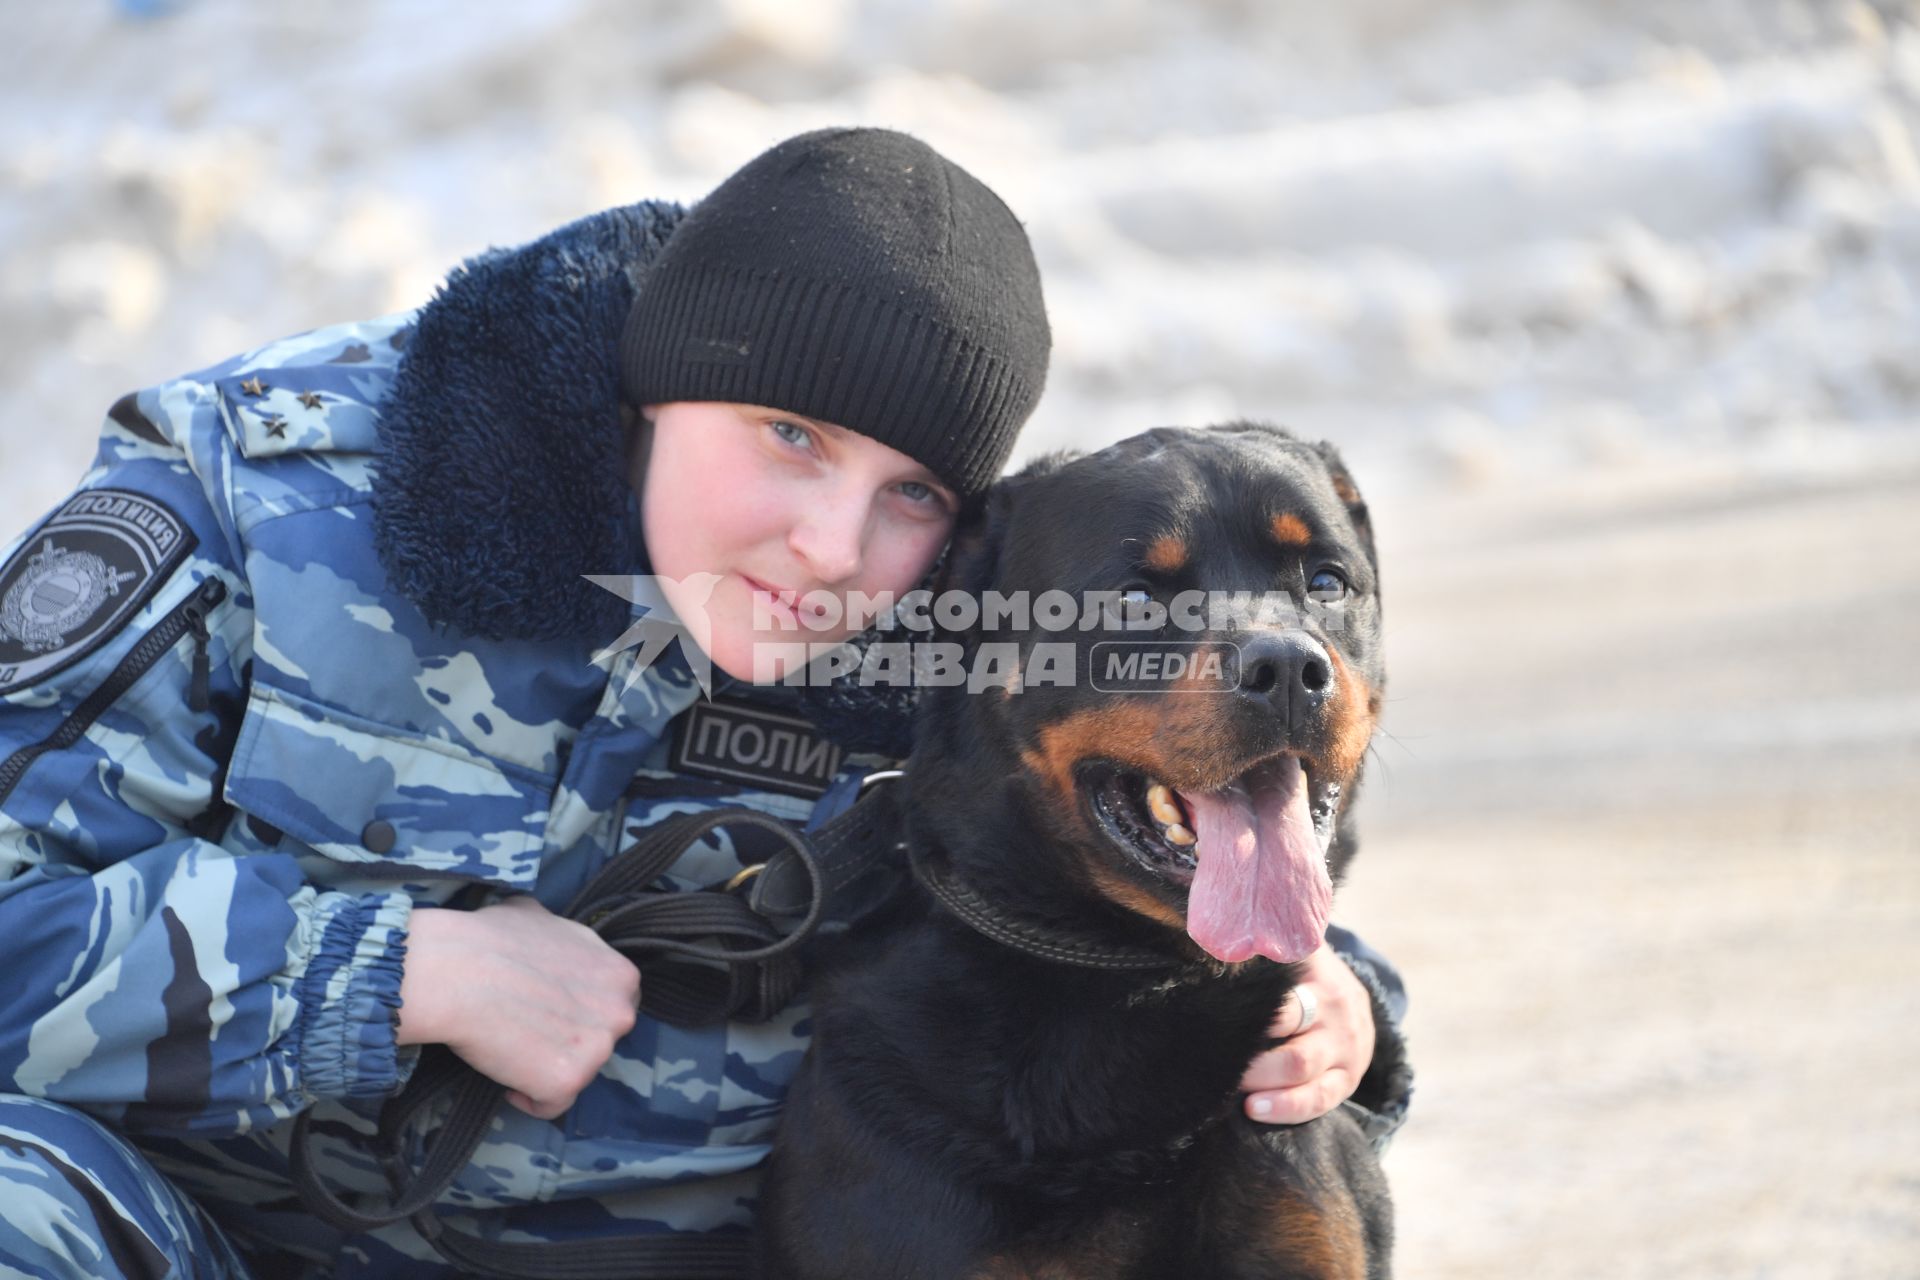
[(969, 1110)]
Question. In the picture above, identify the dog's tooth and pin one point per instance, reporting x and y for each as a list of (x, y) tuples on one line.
[(1160, 801), (1176, 833)]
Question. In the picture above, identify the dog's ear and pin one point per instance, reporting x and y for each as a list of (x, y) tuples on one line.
[(973, 556), (1349, 494)]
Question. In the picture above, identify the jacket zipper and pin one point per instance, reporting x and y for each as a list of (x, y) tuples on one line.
[(189, 617)]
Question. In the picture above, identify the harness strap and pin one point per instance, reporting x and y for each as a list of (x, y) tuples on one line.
[(843, 850), (676, 939)]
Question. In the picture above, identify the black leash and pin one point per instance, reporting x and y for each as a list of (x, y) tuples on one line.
[(754, 941)]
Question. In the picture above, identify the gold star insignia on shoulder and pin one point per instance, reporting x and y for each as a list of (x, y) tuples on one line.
[(311, 399), (254, 387), (276, 426)]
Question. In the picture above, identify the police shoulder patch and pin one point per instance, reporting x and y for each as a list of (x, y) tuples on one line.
[(78, 577), (743, 743)]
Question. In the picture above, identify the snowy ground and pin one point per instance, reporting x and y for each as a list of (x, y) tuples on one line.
[(1644, 832), (1612, 305)]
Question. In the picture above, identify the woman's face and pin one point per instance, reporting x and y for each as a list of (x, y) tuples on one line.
[(780, 508)]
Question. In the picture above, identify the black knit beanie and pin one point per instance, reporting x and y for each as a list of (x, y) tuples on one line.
[(859, 277)]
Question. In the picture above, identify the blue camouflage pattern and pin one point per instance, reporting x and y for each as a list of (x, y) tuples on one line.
[(203, 914), (64, 1172)]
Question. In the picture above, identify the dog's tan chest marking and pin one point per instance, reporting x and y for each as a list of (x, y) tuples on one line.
[(1325, 1242)]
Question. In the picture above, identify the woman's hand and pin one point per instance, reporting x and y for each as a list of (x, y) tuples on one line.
[(1319, 1068), (527, 998)]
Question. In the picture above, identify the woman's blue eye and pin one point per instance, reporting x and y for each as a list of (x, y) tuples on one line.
[(917, 491), (790, 433)]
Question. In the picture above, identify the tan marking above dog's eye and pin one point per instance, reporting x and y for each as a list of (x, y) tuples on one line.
[(1167, 554), (1290, 530)]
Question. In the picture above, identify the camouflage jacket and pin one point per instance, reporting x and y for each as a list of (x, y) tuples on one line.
[(236, 750)]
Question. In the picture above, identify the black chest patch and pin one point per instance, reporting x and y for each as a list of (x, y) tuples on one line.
[(749, 744), (76, 579)]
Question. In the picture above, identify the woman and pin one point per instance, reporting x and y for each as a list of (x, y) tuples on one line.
[(308, 717)]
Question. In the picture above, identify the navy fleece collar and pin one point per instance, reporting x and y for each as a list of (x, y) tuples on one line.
[(503, 469), (503, 475)]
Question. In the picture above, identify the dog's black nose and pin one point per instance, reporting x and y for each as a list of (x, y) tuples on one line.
[(1289, 671)]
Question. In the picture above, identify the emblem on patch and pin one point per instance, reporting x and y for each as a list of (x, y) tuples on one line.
[(79, 576), (760, 748)]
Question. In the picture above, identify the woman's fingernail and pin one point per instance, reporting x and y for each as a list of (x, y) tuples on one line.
[(1262, 1107)]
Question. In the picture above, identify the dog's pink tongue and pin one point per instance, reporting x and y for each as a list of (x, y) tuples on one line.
[(1262, 886)]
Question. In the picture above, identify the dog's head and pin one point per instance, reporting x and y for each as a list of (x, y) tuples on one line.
[(1181, 708)]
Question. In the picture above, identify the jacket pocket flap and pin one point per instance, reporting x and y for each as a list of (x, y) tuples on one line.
[(357, 791)]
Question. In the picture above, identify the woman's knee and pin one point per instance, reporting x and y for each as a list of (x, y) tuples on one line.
[(82, 1202)]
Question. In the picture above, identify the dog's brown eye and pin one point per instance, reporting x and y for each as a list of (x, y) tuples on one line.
[(1134, 602), (1326, 587)]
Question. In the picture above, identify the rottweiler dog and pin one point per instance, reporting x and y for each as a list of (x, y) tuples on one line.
[(1026, 1065)]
